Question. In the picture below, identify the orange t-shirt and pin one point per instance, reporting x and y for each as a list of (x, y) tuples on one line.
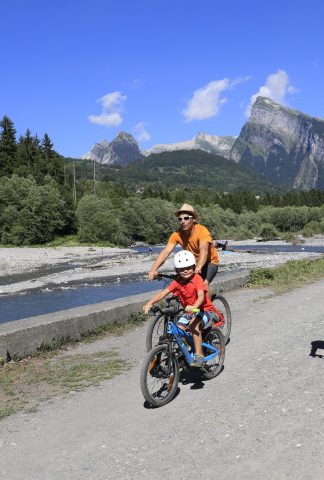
[(187, 291), (198, 234)]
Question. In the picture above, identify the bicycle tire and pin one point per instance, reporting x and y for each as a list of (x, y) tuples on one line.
[(155, 372), (222, 305), (154, 331), (214, 366)]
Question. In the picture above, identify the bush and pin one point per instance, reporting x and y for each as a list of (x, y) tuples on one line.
[(240, 233), (98, 221), (315, 227), (30, 213), (268, 232), (288, 237), (308, 232), (263, 277)]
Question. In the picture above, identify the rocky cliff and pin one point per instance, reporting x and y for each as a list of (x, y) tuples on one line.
[(284, 145), (202, 141), (122, 151)]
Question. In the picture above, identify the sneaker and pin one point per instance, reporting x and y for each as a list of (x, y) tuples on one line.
[(198, 361)]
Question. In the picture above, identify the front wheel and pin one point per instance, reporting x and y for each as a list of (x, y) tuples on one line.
[(223, 307), (160, 376), (155, 330), (213, 367)]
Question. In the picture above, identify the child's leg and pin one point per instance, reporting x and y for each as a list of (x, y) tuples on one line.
[(195, 326)]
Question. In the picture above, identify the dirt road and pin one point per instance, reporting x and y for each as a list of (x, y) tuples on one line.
[(262, 418)]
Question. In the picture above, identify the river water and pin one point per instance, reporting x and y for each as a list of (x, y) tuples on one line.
[(20, 306)]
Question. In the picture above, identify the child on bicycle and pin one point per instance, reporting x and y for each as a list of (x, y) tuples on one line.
[(192, 292)]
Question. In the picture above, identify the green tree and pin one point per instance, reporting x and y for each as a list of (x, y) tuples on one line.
[(28, 155), (8, 146), (98, 221), (30, 213), (268, 231), (51, 162)]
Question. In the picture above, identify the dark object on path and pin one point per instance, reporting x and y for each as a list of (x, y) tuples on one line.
[(317, 344), (222, 244)]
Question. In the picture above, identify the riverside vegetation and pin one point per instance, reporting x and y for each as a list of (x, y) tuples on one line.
[(45, 197)]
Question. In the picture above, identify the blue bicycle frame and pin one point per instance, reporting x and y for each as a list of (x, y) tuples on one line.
[(180, 336)]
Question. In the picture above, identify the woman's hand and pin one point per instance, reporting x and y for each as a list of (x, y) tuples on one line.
[(152, 274), (147, 307)]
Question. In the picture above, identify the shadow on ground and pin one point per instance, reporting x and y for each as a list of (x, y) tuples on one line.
[(315, 346)]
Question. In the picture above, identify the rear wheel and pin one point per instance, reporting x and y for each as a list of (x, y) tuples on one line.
[(159, 376), (223, 307), (214, 366), (155, 330)]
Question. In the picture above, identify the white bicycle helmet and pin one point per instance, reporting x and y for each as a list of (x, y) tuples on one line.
[(184, 259)]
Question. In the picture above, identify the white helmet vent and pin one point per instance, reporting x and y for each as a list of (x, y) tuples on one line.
[(184, 258)]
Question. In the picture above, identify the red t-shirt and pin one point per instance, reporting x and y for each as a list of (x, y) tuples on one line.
[(187, 291)]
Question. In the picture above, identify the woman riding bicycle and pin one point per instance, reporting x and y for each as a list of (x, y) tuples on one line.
[(197, 239)]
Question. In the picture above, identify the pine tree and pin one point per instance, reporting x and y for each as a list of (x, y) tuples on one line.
[(53, 163), (28, 153), (47, 146), (8, 146)]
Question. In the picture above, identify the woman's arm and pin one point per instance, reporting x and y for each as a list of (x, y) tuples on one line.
[(161, 259), (203, 254)]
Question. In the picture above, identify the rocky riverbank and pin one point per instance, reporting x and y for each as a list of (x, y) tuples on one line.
[(23, 269)]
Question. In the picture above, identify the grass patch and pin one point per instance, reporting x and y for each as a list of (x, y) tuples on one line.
[(73, 241), (24, 384), (114, 328), (292, 274), (65, 241), (52, 370)]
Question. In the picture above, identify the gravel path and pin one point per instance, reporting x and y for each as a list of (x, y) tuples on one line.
[(262, 418)]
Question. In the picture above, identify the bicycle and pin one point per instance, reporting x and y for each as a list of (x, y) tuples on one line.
[(157, 325), (160, 372)]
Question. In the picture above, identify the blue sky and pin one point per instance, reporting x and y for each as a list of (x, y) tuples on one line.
[(162, 70)]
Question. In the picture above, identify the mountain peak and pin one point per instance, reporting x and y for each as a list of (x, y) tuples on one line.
[(202, 141), (122, 150), (124, 135), (282, 144)]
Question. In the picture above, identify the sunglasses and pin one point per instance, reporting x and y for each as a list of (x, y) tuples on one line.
[(184, 218)]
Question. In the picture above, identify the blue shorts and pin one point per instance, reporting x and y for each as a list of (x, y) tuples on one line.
[(205, 317)]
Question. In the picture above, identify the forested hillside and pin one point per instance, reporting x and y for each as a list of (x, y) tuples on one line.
[(44, 196), (193, 168)]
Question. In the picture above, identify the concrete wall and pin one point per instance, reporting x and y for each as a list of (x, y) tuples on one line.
[(24, 337)]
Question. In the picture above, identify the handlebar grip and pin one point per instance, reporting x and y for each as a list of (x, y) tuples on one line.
[(195, 310)]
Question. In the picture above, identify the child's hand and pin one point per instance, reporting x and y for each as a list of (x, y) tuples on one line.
[(147, 307), (189, 308)]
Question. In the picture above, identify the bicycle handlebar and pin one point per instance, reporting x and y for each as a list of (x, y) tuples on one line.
[(172, 276), (171, 310), (164, 310)]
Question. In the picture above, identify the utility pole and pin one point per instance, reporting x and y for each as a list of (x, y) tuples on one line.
[(188, 175), (64, 174), (94, 176), (74, 185)]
